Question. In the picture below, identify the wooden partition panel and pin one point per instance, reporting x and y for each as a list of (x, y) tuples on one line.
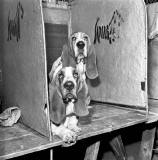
[(117, 29), (1, 34), (152, 12), (24, 61)]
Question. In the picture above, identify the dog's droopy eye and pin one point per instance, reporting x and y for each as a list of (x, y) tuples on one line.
[(75, 75), (73, 38), (60, 76), (85, 38)]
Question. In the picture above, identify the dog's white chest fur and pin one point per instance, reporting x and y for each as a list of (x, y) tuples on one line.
[(81, 68)]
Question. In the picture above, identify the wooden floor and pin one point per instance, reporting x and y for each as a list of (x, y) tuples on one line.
[(19, 140)]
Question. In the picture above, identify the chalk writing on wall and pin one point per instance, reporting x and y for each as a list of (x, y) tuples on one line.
[(14, 24), (109, 32)]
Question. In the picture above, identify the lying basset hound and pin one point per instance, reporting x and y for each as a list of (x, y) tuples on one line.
[(68, 100)]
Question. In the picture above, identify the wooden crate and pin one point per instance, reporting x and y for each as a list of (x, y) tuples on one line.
[(27, 31)]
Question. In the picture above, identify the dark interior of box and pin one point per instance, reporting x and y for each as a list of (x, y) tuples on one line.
[(56, 36)]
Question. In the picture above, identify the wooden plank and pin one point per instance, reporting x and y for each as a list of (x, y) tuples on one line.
[(100, 110), (147, 143), (19, 140), (92, 151), (14, 132), (109, 121), (94, 125), (118, 148)]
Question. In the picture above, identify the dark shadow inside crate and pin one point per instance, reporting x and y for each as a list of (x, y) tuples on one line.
[(56, 36)]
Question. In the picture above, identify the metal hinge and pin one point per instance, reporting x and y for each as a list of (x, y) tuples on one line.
[(143, 85)]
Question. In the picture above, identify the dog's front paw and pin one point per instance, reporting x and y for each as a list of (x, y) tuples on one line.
[(69, 137)]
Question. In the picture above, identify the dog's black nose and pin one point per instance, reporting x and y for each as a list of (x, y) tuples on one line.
[(80, 44), (69, 85)]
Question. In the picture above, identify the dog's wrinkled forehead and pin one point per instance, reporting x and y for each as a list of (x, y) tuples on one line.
[(80, 36), (67, 73)]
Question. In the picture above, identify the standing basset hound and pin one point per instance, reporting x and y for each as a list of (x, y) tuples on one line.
[(68, 100), (79, 53)]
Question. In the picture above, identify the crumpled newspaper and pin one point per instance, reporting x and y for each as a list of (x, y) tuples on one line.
[(10, 116)]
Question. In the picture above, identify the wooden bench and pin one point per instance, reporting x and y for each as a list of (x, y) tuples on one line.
[(20, 140)]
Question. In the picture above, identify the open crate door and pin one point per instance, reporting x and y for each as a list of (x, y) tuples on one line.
[(24, 61), (117, 29)]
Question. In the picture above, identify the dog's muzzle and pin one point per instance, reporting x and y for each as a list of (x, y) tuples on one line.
[(69, 85), (80, 44), (80, 56), (69, 96)]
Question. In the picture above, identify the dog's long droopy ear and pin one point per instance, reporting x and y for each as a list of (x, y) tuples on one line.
[(91, 66), (67, 56), (81, 108), (57, 107), (56, 67)]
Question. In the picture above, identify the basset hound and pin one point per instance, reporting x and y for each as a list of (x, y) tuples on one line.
[(80, 53), (68, 100)]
